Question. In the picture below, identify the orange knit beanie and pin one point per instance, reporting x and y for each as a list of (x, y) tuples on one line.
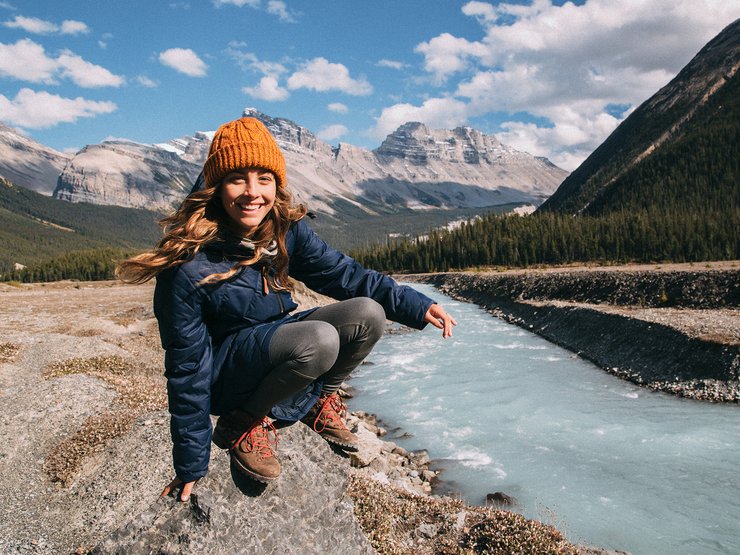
[(243, 143)]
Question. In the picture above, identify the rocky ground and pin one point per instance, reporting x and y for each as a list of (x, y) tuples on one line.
[(673, 328), (85, 451)]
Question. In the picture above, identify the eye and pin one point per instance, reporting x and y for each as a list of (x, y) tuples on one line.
[(267, 178)]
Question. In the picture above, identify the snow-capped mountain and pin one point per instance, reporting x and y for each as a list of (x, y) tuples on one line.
[(415, 167), (125, 173)]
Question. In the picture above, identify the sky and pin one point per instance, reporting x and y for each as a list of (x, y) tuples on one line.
[(551, 78)]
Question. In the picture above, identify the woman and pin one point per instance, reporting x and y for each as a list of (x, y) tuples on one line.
[(233, 347)]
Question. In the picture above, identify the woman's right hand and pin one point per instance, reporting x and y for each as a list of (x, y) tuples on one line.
[(187, 487)]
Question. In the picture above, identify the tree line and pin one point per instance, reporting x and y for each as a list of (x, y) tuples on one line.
[(551, 239)]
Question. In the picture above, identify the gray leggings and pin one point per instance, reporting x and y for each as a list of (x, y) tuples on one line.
[(328, 344)]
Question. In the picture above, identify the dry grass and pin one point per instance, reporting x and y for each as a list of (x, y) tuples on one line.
[(140, 390), (8, 351), (401, 523)]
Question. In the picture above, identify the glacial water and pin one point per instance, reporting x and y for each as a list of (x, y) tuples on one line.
[(608, 463)]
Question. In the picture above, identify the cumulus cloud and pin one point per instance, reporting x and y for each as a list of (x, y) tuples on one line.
[(338, 107), (268, 89), (438, 113), (85, 74), (562, 64), (40, 110), (321, 75), (280, 9), (393, 64), (249, 61), (72, 27), (43, 27), (27, 61), (332, 132), (184, 60)]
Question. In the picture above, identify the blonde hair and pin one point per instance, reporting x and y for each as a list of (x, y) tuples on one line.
[(201, 219)]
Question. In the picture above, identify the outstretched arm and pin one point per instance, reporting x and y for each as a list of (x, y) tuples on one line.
[(438, 317)]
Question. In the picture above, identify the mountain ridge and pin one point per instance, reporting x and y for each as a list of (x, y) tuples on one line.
[(660, 120)]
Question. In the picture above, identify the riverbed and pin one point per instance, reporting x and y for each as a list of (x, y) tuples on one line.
[(607, 462)]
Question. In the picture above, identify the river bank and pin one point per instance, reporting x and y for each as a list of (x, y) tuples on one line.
[(672, 328), (86, 449)]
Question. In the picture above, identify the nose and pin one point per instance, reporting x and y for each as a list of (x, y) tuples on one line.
[(252, 182)]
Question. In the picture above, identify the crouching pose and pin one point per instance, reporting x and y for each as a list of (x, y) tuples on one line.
[(234, 347)]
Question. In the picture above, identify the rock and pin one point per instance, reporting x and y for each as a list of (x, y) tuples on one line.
[(307, 507)]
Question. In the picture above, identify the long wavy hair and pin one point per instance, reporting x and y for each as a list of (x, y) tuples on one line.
[(201, 219)]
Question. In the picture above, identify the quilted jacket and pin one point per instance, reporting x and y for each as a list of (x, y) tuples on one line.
[(205, 328)]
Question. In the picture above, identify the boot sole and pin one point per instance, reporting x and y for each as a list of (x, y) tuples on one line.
[(343, 446), (251, 474)]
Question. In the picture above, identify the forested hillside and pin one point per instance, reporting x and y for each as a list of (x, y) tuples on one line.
[(36, 228)]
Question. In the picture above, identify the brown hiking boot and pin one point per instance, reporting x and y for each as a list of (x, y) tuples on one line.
[(249, 445), (326, 418)]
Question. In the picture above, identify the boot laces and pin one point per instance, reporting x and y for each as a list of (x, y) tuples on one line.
[(332, 412), (257, 437)]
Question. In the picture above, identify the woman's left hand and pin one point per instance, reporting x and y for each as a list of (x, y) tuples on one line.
[(437, 316)]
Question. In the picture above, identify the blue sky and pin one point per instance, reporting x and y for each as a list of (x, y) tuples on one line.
[(551, 78)]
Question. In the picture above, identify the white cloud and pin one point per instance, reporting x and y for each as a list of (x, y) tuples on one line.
[(185, 61), (564, 65), (279, 8), (438, 113), (249, 61), (332, 132), (86, 74), (27, 61), (145, 81), (72, 27), (445, 55), (240, 3), (321, 75), (39, 110), (267, 89), (32, 25), (338, 107), (43, 27), (393, 64)]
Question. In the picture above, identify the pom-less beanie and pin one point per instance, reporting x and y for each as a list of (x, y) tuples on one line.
[(243, 143)]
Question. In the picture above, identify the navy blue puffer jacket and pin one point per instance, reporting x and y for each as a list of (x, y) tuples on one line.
[(203, 327)]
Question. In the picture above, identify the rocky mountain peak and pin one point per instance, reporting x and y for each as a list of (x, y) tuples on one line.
[(419, 144), (288, 133)]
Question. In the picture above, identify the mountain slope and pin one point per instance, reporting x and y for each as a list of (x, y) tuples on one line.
[(125, 173), (36, 227), (28, 163), (646, 156)]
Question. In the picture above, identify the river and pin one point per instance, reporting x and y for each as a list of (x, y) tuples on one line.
[(608, 463)]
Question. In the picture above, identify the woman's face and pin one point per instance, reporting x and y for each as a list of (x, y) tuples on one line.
[(247, 195)]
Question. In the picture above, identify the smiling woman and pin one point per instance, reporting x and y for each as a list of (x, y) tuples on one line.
[(234, 346)]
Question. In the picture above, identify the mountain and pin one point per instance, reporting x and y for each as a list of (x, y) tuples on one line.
[(414, 168), (125, 173), (677, 151), (28, 163)]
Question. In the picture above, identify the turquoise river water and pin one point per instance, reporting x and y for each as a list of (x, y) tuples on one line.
[(608, 463)]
